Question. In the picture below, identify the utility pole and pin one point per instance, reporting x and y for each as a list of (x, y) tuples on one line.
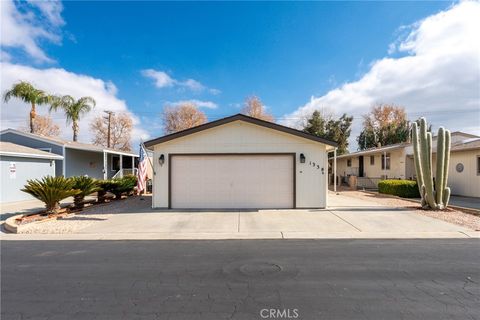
[(109, 119)]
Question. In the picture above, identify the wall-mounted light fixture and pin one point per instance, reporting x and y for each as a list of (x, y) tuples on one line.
[(161, 159), (302, 158)]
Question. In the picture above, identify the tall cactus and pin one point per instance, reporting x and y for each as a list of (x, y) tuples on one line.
[(434, 195)]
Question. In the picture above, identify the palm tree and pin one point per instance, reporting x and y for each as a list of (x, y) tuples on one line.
[(73, 109), (28, 93)]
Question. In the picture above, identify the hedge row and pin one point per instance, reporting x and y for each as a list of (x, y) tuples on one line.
[(401, 188)]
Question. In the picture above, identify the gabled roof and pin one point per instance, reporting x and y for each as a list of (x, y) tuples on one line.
[(16, 150), (471, 143), (239, 117), (375, 150), (467, 135), (68, 144), (465, 145)]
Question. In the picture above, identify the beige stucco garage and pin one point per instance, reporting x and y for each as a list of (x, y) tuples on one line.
[(240, 162)]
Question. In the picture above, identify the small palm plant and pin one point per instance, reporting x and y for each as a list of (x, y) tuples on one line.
[(124, 185), (51, 190), (104, 187), (86, 186), (73, 109)]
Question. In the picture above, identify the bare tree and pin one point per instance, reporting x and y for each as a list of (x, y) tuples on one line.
[(44, 126), (385, 124), (182, 117), (120, 131), (254, 108)]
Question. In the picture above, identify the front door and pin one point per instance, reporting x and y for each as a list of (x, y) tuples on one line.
[(360, 166)]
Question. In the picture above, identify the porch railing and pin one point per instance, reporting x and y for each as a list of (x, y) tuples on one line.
[(368, 182), (125, 172)]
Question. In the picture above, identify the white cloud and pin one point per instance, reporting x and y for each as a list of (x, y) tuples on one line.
[(163, 80), (51, 9), (14, 114), (193, 85), (5, 56), (438, 76), (198, 103), (215, 91), (22, 28)]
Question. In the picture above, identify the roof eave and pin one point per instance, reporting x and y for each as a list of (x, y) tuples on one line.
[(238, 117), (30, 155)]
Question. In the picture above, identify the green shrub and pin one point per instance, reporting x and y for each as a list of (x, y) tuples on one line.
[(401, 188), (51, 190), (87, 186)]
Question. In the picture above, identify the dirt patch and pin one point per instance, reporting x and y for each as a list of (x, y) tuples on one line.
[(450, 215)]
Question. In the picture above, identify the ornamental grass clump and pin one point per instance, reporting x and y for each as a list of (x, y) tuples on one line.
[(86, 186), (51, 190)]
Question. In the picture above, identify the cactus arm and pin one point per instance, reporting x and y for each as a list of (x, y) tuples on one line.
[(440, 170), (425, 155), (416, 157), (446, 196), (446, 164), (424, 201), (429, 154)]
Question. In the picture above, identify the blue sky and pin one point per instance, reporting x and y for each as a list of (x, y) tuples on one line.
[(219, 53), (282, 52)]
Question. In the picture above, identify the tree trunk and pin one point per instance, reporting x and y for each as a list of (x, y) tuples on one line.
[(33, 113), (101, 195), (75, 130), (78, 201), (53, 208)]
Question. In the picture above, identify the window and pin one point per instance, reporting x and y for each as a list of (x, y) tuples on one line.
[(372, 160), (115, 163), (386, 161), (349, 162), (478, 165)]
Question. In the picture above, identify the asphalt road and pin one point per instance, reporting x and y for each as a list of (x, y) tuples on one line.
[(308, 279)]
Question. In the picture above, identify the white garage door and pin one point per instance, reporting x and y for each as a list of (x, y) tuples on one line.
[(232, 181)]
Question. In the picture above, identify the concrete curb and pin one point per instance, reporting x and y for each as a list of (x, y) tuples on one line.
[(11, 225), (241, 236)]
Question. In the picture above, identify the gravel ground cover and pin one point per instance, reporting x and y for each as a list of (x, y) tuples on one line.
[(457, 217), (90, 215)]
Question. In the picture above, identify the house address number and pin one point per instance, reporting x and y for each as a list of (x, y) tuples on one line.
[(313, 164)]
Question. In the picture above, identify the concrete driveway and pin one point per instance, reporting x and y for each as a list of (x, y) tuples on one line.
[(346, 217)]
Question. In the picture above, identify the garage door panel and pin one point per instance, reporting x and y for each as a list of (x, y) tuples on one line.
[(232, 181)]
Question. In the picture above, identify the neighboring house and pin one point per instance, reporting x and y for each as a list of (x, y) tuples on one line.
[(464, 169), (396, 162), (240, 162), (20, 163), (78, 158)]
